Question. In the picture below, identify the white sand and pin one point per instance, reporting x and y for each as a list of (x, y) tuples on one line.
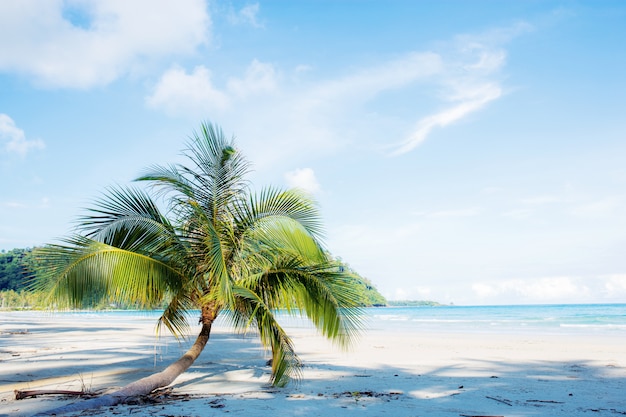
[(387, 373)]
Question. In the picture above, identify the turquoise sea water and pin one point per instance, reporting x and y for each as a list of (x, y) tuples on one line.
[(608, 319), (568, 318)]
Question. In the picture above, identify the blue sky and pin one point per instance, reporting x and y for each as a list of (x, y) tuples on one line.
[(471, 152)]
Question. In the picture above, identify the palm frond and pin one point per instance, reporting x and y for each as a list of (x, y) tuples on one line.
[(175, 316), (273, 204), (84, 266), (330, 303), (169, 179), (287, 269), (209, 252), (219, 168), (127, 218), (251, 310), (118, 204), (320, 293)]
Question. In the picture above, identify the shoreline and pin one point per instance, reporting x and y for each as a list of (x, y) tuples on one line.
[(389, 371)]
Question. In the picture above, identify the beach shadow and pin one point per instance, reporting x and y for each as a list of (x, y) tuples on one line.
[(99, 367), (231, 377), (139, 358), (484, 388)]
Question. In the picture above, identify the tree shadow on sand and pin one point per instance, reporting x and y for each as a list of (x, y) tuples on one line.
[(231, 377)]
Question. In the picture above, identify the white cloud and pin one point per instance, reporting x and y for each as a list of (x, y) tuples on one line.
[(570, 289), (247, 15), (615, 286), (546, 289), (15, 138), (259, 78), (552, 288), (195, 95), (178, 92), (81, 44), (303, 179), (483, 290)]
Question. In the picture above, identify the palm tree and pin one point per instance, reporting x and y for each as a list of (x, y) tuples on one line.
[(218, 249)]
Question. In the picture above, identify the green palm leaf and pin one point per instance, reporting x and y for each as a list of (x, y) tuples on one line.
[(87, 266), (251, 310)]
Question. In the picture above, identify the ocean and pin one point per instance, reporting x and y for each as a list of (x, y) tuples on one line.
[(608, 319), (553, 319)]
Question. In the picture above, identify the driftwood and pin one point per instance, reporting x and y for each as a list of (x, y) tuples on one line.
[(472, 415), (21, 394), (545, 401), (501, 400)]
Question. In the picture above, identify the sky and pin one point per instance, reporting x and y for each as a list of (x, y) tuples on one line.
[(467, 152)]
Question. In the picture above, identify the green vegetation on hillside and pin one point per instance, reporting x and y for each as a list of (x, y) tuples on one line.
[(15, 267), (368, 294)]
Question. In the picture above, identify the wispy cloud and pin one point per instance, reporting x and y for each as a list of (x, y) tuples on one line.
[(247, 15), (15, 139), (469, 80), (84, 44), (450, 115), (367, 83)]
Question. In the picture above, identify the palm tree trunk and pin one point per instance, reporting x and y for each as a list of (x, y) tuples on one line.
[(146, 385)]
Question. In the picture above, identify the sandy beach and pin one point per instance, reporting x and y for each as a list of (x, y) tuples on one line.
[(388, 372)]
